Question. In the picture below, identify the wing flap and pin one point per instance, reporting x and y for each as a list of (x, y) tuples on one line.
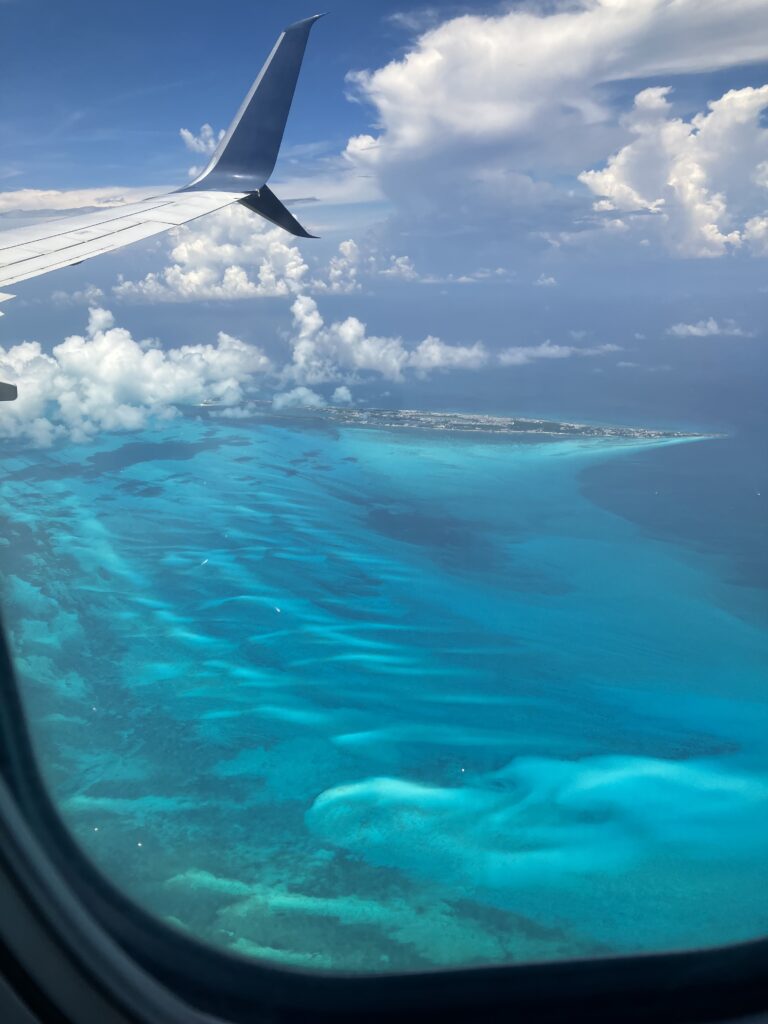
[(266, 203)]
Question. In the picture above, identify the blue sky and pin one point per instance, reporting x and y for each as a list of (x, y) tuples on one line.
[(541, 187)]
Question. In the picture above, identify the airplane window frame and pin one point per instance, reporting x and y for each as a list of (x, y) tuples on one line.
[(75, 948)]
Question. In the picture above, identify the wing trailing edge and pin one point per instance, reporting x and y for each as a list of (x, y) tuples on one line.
[(267, 205), (246, 156)]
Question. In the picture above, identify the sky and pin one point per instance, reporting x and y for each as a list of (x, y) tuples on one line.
[(540, 208)]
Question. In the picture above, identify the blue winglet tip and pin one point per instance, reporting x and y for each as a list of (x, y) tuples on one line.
[(309, 22)]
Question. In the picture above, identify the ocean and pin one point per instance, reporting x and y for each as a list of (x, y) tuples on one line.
[(359, 699)]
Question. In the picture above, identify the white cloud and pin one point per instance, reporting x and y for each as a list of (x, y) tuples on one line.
[(87, 296), (709, 328), (352, 263), (434, 354), (416, 20), (27, 200), (204, 142), (520, 355), (705, 180), (342, 395), (478, 100), (477, 76), (755, 234), (299, 398), (232, 254), (401, 267), (106, 380), (545, 281), (323, 352), (343, 270)]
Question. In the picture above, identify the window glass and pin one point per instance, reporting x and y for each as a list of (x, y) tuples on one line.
[(316, 670)]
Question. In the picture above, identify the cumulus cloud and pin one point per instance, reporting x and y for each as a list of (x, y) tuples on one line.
[(755, 234), (204, 142), (709, 328), (478, 100), (520, 355), (434, 354), (322, 352), (106, 380), (545, 281), (343, 269), (352, 263), (233, 254), (298, 398), (705, 179), (477, 76), (342, 395), (401, 267), (90, 295), (228, 255)]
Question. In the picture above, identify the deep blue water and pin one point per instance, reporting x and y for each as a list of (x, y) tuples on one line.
[(372, 700)]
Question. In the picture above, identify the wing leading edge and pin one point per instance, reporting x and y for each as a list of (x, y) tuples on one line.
[(237, 173)]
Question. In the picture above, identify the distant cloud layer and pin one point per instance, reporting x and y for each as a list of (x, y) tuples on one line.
[(709, 328), (27, 200), (520, 355)]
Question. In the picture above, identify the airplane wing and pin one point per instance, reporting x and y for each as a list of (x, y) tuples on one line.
[(237, 173), (37, 249)]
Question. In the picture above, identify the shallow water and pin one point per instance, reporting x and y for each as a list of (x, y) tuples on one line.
[(356, 699)]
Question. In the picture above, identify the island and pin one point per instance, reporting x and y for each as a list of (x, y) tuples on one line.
[(415, 419)]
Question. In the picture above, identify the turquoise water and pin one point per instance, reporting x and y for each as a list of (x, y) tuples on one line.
[(367, 700)]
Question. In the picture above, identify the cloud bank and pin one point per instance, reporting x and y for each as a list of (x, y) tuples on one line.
[(486, 116), (229, 255), (106, 380), (320, 351)]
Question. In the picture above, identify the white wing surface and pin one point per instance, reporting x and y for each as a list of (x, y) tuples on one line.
[(39, 248), (237, 173)]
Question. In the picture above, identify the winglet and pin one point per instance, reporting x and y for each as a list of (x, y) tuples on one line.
[(246, 156)]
